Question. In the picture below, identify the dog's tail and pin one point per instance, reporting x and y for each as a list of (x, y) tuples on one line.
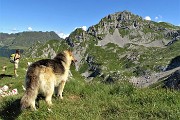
[(29, 98)]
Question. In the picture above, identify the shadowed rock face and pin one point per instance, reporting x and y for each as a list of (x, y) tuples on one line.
[(174, 63), (173, 81)]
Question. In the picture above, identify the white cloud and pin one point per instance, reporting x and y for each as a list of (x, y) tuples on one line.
[(62, 35), (147, 18), (14, 30), (83, 27), (156, 18), (29, 28)]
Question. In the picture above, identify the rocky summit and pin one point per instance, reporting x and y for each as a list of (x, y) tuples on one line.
[(124, 27)]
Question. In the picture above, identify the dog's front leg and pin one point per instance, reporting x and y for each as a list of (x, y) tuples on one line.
[(60, 89)]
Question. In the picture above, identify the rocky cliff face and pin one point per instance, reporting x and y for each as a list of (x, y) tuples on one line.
[(175, 62), (173, 81)]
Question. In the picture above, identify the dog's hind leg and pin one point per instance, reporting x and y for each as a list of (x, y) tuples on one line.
[(60, 89), (29, 97), (33, 105), (48, 99), (49, 93), (28, 100)]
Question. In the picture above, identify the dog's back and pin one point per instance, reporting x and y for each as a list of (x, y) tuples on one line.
[(39, 76), (42, 76)]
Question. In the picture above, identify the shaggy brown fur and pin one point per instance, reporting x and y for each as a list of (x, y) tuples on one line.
[(44, 76)]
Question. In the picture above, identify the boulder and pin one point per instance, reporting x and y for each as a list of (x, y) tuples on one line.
[(175, 62), (173, 81)]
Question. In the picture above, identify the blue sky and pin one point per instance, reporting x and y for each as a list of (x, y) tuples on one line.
[(63, 16)]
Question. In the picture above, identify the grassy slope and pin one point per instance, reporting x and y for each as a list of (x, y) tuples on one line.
[(93, 100), (56, 45)]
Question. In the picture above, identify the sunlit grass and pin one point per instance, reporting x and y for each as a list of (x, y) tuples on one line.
[(94, 100)]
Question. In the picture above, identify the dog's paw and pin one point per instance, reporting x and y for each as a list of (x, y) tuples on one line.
[(61, 97), (49, 110), (49, 103), (33, 108)]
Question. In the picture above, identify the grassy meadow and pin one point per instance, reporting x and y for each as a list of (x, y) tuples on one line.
[(92, 100)]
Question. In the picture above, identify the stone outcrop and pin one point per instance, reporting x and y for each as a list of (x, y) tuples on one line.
[(175, 62), (173, 81)]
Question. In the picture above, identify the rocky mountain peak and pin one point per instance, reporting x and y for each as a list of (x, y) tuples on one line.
[(120, 16), (133, 29)]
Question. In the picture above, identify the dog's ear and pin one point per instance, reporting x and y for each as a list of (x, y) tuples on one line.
[(70, 50), (67, 51)]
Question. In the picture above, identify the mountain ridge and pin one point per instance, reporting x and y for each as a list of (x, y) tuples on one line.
[(119, 47), (27, 38), (23, 40), (134, 28)]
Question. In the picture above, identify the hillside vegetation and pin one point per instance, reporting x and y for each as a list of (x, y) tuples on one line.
[(114, 56), (92, 100), (10, 42)]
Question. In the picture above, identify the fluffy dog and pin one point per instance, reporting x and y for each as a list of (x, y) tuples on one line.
[(45, 76)]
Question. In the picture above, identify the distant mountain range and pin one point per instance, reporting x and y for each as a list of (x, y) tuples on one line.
[(23, 40), (121, 46)]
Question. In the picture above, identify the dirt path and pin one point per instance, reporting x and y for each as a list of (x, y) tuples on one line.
[(145, 81)]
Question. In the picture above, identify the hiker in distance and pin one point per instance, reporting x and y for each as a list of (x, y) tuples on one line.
[(16, 62)]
